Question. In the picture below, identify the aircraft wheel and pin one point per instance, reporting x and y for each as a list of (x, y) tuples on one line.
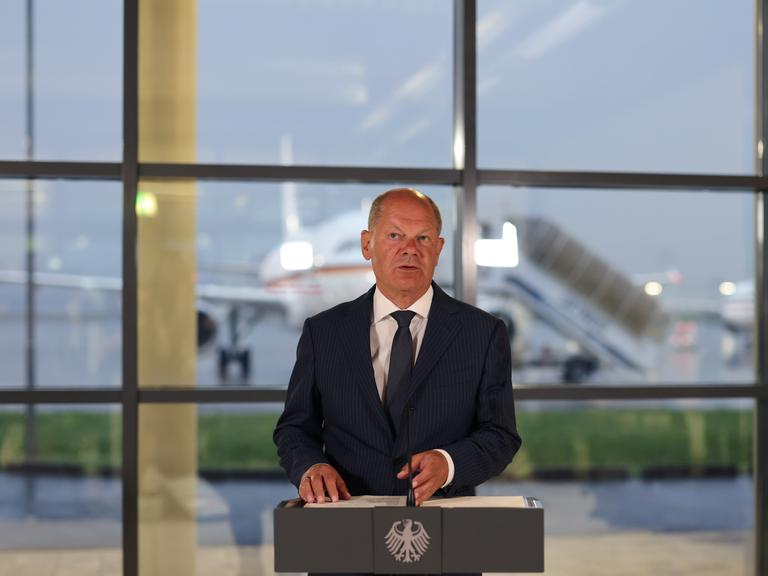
[(577, 369), (223, 363), (245, 363)]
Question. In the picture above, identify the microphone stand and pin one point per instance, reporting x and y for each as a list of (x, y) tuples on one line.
[(410, 501)]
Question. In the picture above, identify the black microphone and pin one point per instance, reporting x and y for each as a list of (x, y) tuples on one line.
[(410, 501)]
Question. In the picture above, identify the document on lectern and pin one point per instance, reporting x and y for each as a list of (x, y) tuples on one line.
[(361, 502), (459, 502), (479, 502)]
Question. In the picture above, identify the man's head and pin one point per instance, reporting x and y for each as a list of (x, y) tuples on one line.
[(403, 243)]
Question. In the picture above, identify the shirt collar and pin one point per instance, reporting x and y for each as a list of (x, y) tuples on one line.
[(383, 307)]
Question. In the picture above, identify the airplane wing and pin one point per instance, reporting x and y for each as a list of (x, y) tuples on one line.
[(230, 294), (217, 293), (55, 280)]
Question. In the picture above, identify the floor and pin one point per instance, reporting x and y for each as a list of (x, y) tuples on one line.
[(625, 553)]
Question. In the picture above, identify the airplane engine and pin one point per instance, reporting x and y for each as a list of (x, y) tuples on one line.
[(207, 327)]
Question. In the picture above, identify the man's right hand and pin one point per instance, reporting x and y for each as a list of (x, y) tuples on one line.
[(321, 482)]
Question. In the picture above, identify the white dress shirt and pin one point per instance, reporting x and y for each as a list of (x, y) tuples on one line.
[(383, 328)]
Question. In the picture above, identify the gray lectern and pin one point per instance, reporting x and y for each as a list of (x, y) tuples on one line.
[(398, 540)]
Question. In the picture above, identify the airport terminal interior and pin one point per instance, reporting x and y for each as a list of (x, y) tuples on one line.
[(183, 182)]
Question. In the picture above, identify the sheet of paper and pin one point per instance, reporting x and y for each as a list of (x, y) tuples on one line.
[(460, 502), (478, 502), (361, 502)]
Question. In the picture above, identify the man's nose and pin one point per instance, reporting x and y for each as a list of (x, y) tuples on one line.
[(410, 245)]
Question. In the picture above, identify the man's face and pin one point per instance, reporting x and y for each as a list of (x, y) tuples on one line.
[(403, 247)]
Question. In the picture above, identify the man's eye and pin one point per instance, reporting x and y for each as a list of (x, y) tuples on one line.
[(393, 235), (424, 238)]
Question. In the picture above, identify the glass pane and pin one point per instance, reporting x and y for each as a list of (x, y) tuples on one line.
[(622, 286), (77, 79), (667, 491), (60, 490), (670, 486), (12, 296), (244, 244), (76, 326), (620, 86), (209, 481), (303, 82), (12, 94)]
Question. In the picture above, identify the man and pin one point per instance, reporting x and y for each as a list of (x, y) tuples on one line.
[(355, 384)]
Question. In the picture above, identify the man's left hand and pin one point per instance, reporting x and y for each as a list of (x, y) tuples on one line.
[(430, 471)]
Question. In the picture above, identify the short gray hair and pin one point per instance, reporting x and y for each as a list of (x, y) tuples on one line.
[(375, 213)]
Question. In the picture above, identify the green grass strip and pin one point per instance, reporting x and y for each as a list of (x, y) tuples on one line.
[(574, 439)]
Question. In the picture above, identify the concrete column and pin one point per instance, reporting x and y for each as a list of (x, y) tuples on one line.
[(166, 288)]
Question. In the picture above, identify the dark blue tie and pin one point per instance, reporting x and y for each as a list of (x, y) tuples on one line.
[(400, 358)]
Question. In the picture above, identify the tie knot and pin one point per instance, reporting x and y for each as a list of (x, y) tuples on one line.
[(403, 318)]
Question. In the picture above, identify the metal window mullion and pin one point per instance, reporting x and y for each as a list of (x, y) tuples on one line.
[(522, 393), (638, 180), (130, 405), (212, 395), (60, 169), (61, 396), (251, 395), (465, 147), (301, 173), (392, 174), (760, 436), (30, 432)]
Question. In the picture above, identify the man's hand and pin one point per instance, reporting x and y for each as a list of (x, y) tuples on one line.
[(430, 471), (321, 482)]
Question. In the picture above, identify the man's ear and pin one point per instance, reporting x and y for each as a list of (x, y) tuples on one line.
[(365, 244)]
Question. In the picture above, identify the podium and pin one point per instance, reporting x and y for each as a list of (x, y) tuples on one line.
[(470, 534)]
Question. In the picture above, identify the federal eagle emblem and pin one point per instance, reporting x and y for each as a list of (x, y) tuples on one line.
[(407, 540)]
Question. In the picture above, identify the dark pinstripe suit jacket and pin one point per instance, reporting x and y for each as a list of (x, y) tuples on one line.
[(460, 395)]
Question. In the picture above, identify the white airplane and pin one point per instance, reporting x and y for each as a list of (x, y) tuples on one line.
[(320, 266), (738, 306), (551, 328)]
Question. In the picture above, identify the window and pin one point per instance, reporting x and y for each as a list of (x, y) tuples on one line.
[(60, 488), (150, 311), (616, 86), (623, 286), (75, 93), (76, 300)]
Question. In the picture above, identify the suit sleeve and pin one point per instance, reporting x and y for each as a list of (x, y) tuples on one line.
[(299, 431), (491, 445)]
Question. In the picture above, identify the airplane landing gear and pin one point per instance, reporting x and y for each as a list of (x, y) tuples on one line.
[(235, 353), (579, 368), (242, 358)]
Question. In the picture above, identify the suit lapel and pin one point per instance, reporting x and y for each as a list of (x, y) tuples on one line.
[(358, 339), (442, 327)]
